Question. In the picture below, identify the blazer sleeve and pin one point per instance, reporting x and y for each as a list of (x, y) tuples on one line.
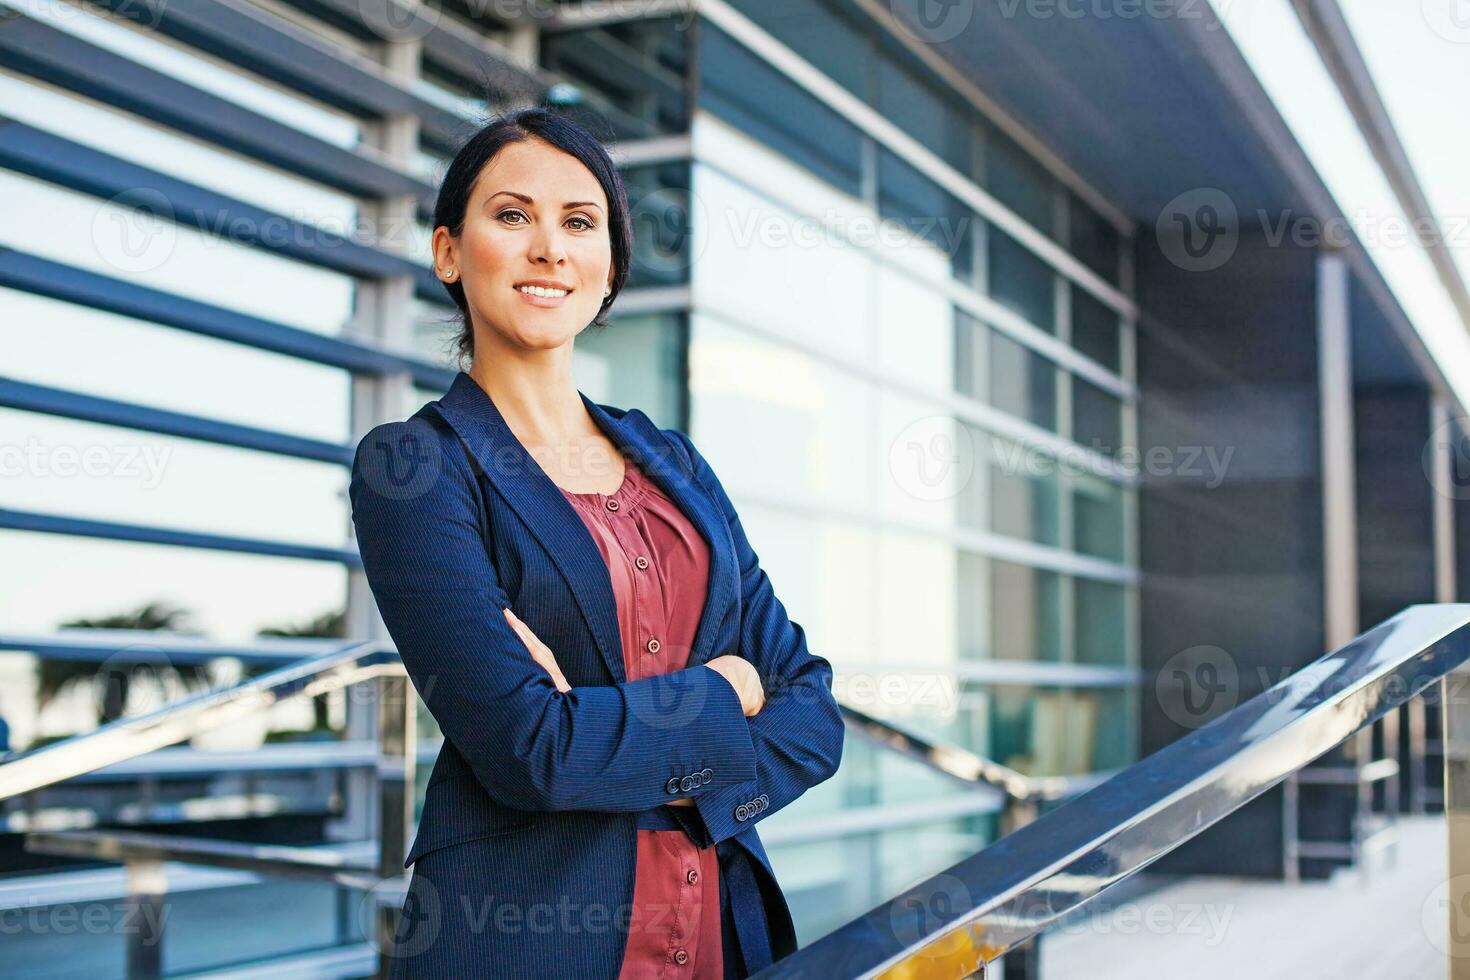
[(798, 735), (619, 747)]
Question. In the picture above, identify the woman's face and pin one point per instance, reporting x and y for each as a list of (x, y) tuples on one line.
[(536, 213)]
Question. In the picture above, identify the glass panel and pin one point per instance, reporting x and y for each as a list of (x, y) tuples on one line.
[(920, 107), (1022, 382), (1097, 417), (1021, 281), (1022, 504), (932, 462), (787, 425), (228, 82), (659, 205), (1102, 730), (971, 351), (121, 134), (820, 569), (122, 243), (1097, 517), (824, 36), (45, 339), (915, 331), (749, 94), (634, 362), (1101, 630), (1094, 329), (753, 267), (924, 210), (103, 472), (1031, 626), (636, 69), (1018, 181), (48, 579), (1093, 240)]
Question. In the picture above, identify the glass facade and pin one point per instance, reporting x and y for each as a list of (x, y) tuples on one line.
[(912, 405)]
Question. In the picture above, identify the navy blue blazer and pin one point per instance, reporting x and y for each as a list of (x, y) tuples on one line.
[(533, 803)]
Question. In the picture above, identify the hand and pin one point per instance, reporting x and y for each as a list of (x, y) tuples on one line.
[(742, 676), (539, 651)]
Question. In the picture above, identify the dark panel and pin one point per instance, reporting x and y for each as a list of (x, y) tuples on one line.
[(1230, 505)]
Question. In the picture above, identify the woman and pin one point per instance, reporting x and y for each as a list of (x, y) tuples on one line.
[(623, 697)]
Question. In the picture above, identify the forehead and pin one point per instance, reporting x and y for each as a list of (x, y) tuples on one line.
[(548, 174)]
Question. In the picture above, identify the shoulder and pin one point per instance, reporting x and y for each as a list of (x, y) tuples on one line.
[(410, 460)]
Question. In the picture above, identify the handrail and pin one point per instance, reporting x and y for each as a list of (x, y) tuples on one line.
[(955, 922), (130, 737)]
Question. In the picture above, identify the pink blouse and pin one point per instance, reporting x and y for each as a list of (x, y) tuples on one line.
[(659, 567)]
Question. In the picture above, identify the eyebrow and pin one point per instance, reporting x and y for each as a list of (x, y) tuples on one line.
[(527, 199)]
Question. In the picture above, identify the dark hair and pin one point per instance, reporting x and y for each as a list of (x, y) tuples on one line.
[(565, 134)]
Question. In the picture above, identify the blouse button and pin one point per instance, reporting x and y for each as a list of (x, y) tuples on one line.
[(653, 646), (681, 956), (641, 562), (612, 505), (692, 877)]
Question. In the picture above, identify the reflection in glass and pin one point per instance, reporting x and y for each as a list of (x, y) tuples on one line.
[(1022, 382), (1026, 622)]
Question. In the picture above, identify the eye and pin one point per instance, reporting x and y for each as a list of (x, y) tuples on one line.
[(506, 214), (587, 223)]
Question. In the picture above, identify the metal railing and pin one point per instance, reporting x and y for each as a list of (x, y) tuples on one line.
[(1019, 797), (957, 922), (145, 854)]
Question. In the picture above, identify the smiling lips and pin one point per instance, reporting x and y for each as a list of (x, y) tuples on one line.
[(538, 295)]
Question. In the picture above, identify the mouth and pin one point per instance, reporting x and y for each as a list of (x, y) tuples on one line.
[(544, 296)]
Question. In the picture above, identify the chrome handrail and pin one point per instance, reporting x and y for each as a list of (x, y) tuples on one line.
[(133, 736), (956, 922)]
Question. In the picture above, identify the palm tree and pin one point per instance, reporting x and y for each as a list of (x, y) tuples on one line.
[(329, 625), (118, 678)]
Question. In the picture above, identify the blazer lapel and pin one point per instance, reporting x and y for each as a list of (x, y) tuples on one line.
[(559, 529)]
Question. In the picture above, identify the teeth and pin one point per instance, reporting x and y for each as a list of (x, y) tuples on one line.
[(542, 291)]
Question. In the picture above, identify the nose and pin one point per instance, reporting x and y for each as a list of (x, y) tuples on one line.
[(546, 246)]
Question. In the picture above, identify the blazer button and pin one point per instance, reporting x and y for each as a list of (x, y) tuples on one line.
[(641, 562), (742, 813), (765, 801), (612, 505), (687, 783), (708, 774), (672, 786), (653, 646)]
